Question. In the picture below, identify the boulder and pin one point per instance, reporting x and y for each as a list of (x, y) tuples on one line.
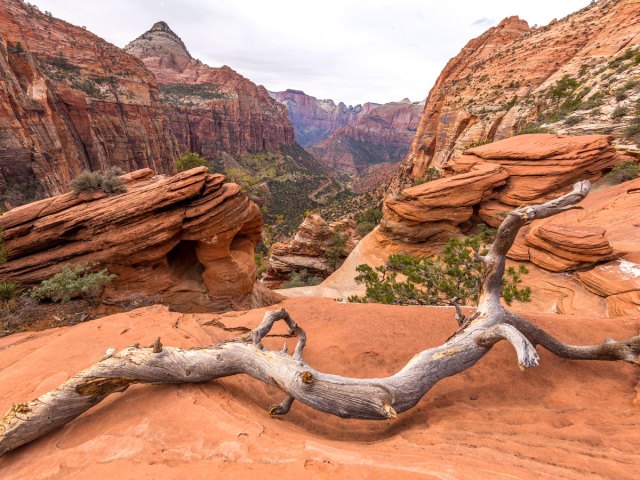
[(188, 239)]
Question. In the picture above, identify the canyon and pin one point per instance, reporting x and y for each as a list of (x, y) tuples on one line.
[(352, 140), (71, 101), (515, 119)]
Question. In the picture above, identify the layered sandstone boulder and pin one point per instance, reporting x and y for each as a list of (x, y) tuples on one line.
[(542, 165), (438, 207), (187, 239), (309, 249), (585, 259)]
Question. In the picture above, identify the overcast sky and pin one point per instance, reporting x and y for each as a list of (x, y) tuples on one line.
[(347, 50)]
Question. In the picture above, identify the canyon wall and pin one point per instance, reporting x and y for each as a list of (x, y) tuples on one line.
[(578, 75), (210, 110), (314, 119), (382, 135), (70, 101)]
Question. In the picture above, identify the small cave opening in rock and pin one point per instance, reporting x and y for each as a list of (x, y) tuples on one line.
[(184, 266)]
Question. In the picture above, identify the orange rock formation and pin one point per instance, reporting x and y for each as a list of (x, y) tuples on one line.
[(187, 239)]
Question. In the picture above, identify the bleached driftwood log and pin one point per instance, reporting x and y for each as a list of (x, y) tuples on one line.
[(371, 399)]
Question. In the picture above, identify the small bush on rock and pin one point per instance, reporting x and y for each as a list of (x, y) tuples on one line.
[(189, 160), (107, 181), (624, 171), (73, 282), (427, 281), (302, 278)]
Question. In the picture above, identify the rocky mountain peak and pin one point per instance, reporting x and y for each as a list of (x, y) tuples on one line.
[(162, 46)]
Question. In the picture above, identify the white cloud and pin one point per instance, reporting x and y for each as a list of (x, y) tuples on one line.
[(352, 51)]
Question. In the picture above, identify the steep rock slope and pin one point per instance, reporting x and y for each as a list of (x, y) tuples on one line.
[(569, 420), (578, 75), (382, 135), (187, 239), (71, 101), (314, 119), (210, 110)]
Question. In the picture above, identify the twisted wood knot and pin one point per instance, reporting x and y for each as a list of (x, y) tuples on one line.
[(306, 377)]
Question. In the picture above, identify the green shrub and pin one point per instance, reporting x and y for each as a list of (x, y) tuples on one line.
[(73, 282), (107, 181), (432, 174), (624, 171), (619, 112), (189, 160), (563, 88), (337, 248), (302, 278), (573, 120), (532, 128), (9, 291), (368, 220), (3, 249), (436, 281), (633, 130)]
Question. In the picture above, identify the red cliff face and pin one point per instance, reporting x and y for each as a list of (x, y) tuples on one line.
[(210, 110), (503, 82), (381, 136), (314, 120), (71, 101)]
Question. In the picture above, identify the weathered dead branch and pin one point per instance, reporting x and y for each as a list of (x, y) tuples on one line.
[(373, 399)]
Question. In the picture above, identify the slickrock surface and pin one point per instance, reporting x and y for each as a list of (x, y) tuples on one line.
[(210, 110), (501, 81), (382, 135), (188, 239), (308, 249), (564, 419)]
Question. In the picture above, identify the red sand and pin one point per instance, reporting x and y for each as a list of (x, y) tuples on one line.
[(565, 419)]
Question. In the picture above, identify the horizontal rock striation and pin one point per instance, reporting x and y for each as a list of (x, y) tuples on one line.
[(382, 135), (187, 239), (314, 120), (70, 101)]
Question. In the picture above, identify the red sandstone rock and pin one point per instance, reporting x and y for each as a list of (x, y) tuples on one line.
[(188, 239), (67, 98), (439, 206), (308, 249), (382, 135), (569, 420), (498, 82), (314, 120)]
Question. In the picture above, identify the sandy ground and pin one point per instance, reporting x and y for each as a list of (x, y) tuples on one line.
[(564, 419)]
